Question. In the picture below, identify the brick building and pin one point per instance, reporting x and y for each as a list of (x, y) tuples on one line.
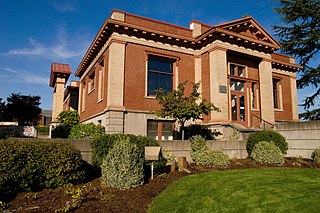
[(236, 63)]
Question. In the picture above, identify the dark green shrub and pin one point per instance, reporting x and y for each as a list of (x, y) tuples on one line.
[(102, 144), (315, 156), (60, 131), (201, 154), (267, 135), (196, 129), (123, 166), (267, 152), (86, 131), (34, 164)]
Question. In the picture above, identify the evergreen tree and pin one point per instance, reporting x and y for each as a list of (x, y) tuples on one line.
[(300, 37), (23, 108), (181, 107)]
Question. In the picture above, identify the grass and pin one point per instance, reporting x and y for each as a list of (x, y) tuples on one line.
[(246, 190)]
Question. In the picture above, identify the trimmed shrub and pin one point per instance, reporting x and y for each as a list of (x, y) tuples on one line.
[(213, 158), (315, 156), (123, 166), (33, 164), (269, 136), (267, 152), (86, 131), (102, 144), (201, 154)]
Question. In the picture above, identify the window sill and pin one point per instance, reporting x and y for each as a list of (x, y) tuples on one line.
[(255, 110), (278, 110), (100, 100), (150, 97)]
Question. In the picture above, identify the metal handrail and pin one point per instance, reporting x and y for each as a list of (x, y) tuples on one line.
[(264, 121)]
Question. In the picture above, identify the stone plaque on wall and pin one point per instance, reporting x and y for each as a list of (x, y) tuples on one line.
[(222, 89)]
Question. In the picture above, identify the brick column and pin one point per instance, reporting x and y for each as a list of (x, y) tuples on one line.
[(58, 95), (294, 97), (219, 84), (115, 104), (266, 90)]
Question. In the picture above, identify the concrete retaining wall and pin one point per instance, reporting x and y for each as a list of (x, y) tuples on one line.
[(302, 137), (235, 149)]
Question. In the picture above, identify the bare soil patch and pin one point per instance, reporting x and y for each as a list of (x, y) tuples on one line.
[(98, 198)]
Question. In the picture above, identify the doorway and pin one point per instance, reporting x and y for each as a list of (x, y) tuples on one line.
[(238, 106)]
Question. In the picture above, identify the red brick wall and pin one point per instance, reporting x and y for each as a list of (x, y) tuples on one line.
[(205, 80), (135, 75), (92, 106), (158, 25)]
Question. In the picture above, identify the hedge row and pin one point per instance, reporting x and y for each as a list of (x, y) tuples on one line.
[(32, 164)]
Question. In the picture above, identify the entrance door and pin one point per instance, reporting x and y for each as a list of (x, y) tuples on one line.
[(238, 102)]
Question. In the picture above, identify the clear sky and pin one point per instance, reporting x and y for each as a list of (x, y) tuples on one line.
[(34, 33)]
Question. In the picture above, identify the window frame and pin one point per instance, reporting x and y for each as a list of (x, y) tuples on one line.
[(92, 79), (276, 85), (172, 60)]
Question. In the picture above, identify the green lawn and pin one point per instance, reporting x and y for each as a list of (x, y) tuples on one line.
[(246, 190)]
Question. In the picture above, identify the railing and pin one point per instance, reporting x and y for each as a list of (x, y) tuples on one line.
[(264, 121)]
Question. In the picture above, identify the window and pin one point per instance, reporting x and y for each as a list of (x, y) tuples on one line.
[(160, 74), (254, 98), (160, 130), (83, 99), (100, 80), (100, 91), (92, 81), (275, 83), (237, 70)]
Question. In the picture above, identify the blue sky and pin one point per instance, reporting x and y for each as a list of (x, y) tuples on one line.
[(34, 33)]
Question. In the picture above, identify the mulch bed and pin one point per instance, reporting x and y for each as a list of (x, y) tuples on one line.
[(99, 198)]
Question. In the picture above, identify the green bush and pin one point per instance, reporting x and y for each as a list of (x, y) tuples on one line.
[(198, 147), (102, 144), (123, 166), (34, 164), (201, 154), (315, 156), (213, 158), (86, 131), (60, 131), (196, 129), (69, 118), (267, 135), (267, 152)]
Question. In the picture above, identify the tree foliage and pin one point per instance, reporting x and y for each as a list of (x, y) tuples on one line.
[(23, 108), (182, 107), (300, 38), (69, 117)]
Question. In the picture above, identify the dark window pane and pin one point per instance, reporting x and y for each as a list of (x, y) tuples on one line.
[(240, 71), (159, 64), (242, 109), (234, 107), (152, 129), (232, 69), (157, 81)]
